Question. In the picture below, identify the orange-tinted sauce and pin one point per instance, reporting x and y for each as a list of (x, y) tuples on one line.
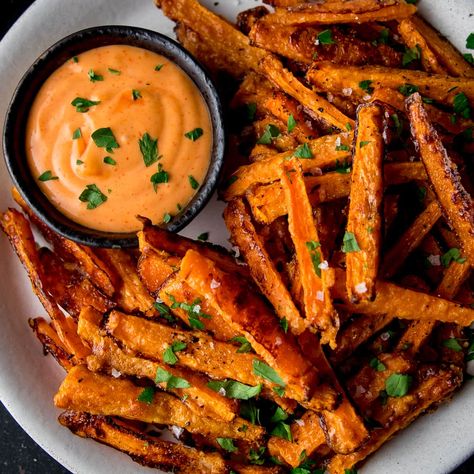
[(104, 183)]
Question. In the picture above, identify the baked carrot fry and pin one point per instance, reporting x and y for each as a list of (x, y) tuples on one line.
[(267, 201), (333, 78), (107, 356), (447, 54), (154, 268), (249, 315), (314, 104), (146, 450), (410, 240), (364, 220), (413, 39), (314, 273), (404, 303), (456, 203), (262, 269), (323, 152), (83, 390), (315, 14)]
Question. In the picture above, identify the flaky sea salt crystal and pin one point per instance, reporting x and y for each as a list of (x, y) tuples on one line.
[(214, 284), (361, 287), (435, 260), (320, 295), (115, 373), (323, 265)]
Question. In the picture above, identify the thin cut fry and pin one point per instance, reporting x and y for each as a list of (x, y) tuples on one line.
[(364, 220), (453, 198), (315, 278)]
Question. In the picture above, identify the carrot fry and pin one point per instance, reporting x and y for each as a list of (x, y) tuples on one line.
[(315, 280), (456, 203), (364, 219)]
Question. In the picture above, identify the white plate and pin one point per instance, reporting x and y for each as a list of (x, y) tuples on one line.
[(434, 444)]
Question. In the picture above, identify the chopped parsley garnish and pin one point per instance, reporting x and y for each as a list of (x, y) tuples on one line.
[(193, 310), (398, 123), (410, 55), (169, 355), (227, 444), (397, 385), (166, 217), (325, 37), (244, 344), (291, 123), (280, 391), (263, 370), (146, 395), (94, 77), (109, 161), (279, 415), (282, 430), (163, 376), (461, 105), (75, 59), (233, 389), (192, 181), (164, 311), (468, 57), (344, 167), (136, 94), (194, 134), (203, 237), (161, 176), (470, 41), (230, 181), (421, 193), (47, 176), (82, 105), (251, 110), (149, 149), (271, 132), (159, 67), (343, 147), (452, 255), (377, 365), (303, 152), (284, 325), (256, 456), (366, 86), (384, 36), (348, 127), (408, 89), (76, 134), (315, 255), (452, 343), (115, 72), (79, 162), (104, 138), (363, 143), (93, 196), (349, 243)]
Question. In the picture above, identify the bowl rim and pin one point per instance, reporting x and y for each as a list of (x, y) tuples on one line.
[(27, 89)]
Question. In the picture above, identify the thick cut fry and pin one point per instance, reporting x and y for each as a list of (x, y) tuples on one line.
[(364, 220), (154, 269), (320, 14), (414, 39), (107, 356), (262, 269), (147, 450), (447, 54), (453, 198), (83, 390), (333, 78), (324, 155), (410, 240), (317, 106), (244, 310), (315, 277), (404, 303)]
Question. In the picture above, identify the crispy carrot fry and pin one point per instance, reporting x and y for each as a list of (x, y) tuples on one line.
[(333, 78), (364, 218), (315, 280), (262, 269), (345, 12), (248, 313), (404, 303), (413, 39), (456, 203), (147, 450), (324, 155), (154, 268), (83, 390), (410, 240), (316, 105), (447, 54)]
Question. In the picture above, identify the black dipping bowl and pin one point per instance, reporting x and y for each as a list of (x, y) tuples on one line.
[(18, 110)]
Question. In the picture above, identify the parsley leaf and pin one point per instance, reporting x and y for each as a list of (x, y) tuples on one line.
[(115, 72), (279, 415), (256, 456), (452, 254), (160, 177), (349, 243), (397, 385), (291, 123), (280, 391), (245, 345), (75, 59), (193, 310), (468, 57), (344, 167), (163, 376), (470, 41), (342, 148), (109, 161), (398, 123), (408, 89), (282, 430), (193, 182), (227, 444), (233, 389), (76, 134), (251, 110), (203, 237), (303, 152), (169, 355), (377, 365), (410, 55), (146, 395), (164, 311), (94, 77), (82, 105), (461, 105), (315, 255), (193, 135), (166, 217), (284, 325), (47, 176), (366, 86), (263, 370), (104, 138), (149, 149), (271, 131), (136, 94), (325, 37), (452, 343), (363, 143), (93, 196), (158, 67)]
